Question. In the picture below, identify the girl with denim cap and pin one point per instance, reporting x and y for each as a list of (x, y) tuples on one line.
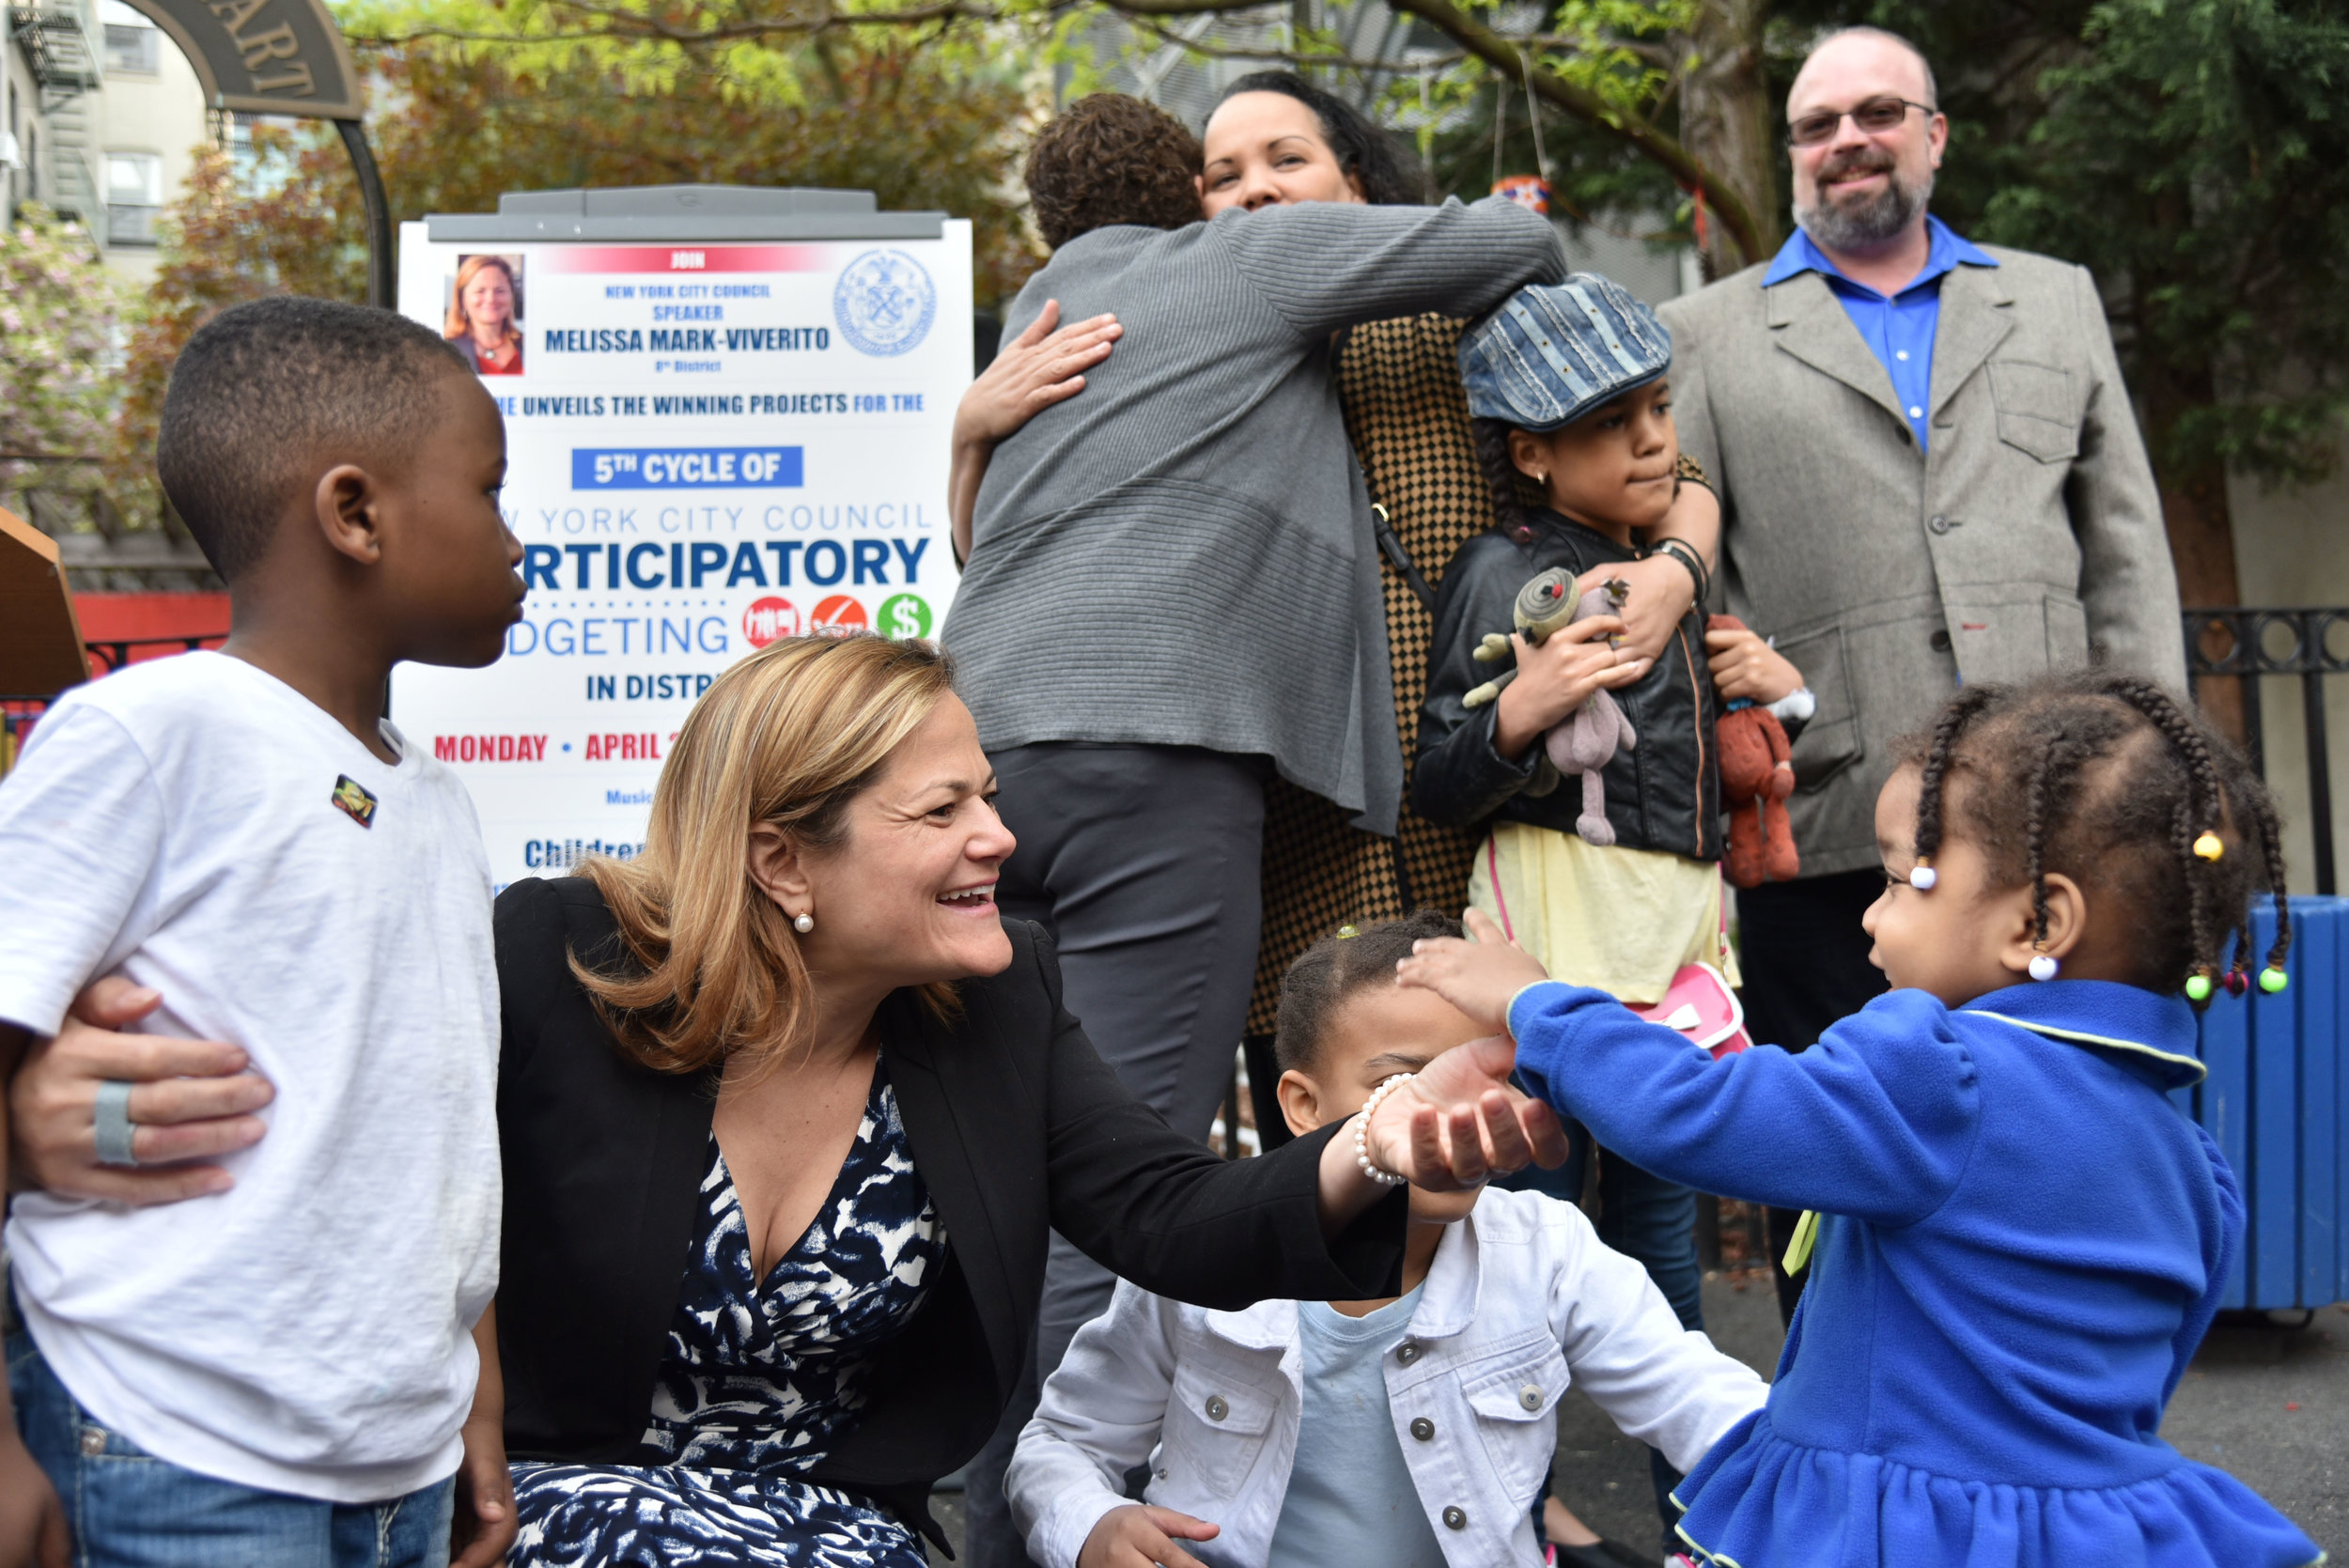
[(1567, 387)]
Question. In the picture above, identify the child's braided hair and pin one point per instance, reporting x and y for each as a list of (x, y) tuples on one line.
[(1513, 493), (2109, 779)]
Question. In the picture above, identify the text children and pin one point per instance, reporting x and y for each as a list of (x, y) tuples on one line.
[(288, 1370), (2019, 1241), (1408, 1433)]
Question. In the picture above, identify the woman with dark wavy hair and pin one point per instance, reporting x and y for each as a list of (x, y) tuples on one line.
[(1249, 118)]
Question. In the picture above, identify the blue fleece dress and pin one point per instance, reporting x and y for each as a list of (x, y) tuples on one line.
[(2021, 1242)]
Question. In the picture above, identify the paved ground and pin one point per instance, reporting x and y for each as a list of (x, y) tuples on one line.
[(1603, 1475), (2234, 1410)]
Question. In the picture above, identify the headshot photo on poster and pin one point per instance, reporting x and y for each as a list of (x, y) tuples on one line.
[(484, 313)]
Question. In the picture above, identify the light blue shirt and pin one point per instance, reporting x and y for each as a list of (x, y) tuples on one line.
[(1350, 1498), (1899, 331)]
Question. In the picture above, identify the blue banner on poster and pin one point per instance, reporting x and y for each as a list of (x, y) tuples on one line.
[(662, 468)]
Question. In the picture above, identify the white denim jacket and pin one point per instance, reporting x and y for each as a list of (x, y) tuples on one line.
[(1521, 1298)]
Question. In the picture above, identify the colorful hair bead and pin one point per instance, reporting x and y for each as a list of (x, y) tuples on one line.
[(2208, 846), (2197, 987), (2272, 979)]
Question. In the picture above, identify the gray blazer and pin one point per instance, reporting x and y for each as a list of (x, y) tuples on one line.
[(2028, 537)]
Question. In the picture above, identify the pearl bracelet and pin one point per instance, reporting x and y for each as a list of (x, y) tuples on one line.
[(1361, 1129)]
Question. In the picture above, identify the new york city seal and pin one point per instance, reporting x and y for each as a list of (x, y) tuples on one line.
[(884, 302)]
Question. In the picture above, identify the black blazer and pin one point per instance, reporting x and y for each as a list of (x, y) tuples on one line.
[(1016, 1125)]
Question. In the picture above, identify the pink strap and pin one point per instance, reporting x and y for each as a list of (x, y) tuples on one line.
[(1492, 861)]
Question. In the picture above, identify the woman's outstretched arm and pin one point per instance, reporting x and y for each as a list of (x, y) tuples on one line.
[(1304, 1221)]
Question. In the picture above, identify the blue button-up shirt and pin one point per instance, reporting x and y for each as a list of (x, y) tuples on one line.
[(1898, 330)]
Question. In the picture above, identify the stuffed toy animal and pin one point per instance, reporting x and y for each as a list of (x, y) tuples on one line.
[(1586, 739), (1757, 776)]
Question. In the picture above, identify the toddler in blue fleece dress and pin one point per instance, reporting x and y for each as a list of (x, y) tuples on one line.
[(2016, 1241)]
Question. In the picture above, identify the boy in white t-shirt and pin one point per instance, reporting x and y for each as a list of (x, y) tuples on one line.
[(285, 1371), (1411, 1432)]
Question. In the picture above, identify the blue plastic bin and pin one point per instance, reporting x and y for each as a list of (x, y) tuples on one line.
[(2277, 1101)]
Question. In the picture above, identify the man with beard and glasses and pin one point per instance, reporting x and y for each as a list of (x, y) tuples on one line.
[(1929, 472)]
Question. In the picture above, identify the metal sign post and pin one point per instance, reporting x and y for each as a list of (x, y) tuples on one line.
[(284, 58)]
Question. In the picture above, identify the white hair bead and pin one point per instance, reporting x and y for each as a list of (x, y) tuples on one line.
[(2043, 966), (1922, 877)]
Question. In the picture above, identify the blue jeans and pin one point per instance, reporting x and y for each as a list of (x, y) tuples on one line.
[(129, 1509)]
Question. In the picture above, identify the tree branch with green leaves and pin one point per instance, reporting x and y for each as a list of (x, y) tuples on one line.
[(1605, 63)]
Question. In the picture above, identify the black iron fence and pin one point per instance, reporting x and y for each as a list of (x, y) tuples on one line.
[(106, 656), (2250, 645)]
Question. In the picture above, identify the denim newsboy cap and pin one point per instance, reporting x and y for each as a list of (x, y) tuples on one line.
[(1552, 353)]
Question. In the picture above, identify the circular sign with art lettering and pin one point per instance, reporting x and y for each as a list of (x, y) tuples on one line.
[(904, 616), (837, 616), (769, 619)]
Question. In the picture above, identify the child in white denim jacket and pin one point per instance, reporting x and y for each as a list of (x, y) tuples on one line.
[(1413, 1433)]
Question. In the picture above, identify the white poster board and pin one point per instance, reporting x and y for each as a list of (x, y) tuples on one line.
[(710, 443)]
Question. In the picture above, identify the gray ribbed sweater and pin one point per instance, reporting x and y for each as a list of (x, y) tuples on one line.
[(1181, 554)]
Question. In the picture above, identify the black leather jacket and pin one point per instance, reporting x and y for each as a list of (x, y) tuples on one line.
[(1664, 794)]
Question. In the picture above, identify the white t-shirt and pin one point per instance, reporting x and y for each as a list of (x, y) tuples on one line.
[(194, 825)]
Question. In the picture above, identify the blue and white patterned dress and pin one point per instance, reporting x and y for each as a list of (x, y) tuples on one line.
[(758, 1381)]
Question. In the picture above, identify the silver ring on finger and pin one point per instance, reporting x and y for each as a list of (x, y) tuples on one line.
[(111, 1118)]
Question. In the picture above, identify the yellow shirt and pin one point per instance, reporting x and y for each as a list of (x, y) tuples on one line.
[(1622, 920)]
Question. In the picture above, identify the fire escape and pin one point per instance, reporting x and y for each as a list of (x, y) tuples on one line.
[(58, 43)]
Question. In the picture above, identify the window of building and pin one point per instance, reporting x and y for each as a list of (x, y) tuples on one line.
[(134, 197), (133, 49)]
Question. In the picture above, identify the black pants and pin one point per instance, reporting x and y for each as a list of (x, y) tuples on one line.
[(1806, 965), (1143, 862)]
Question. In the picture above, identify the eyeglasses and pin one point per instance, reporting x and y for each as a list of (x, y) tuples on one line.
[(1874, 117)]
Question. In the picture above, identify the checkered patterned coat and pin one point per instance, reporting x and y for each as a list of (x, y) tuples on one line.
[(1400, 384)]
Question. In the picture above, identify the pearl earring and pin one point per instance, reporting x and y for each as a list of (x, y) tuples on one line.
[(2043, 966), (803, 923)]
